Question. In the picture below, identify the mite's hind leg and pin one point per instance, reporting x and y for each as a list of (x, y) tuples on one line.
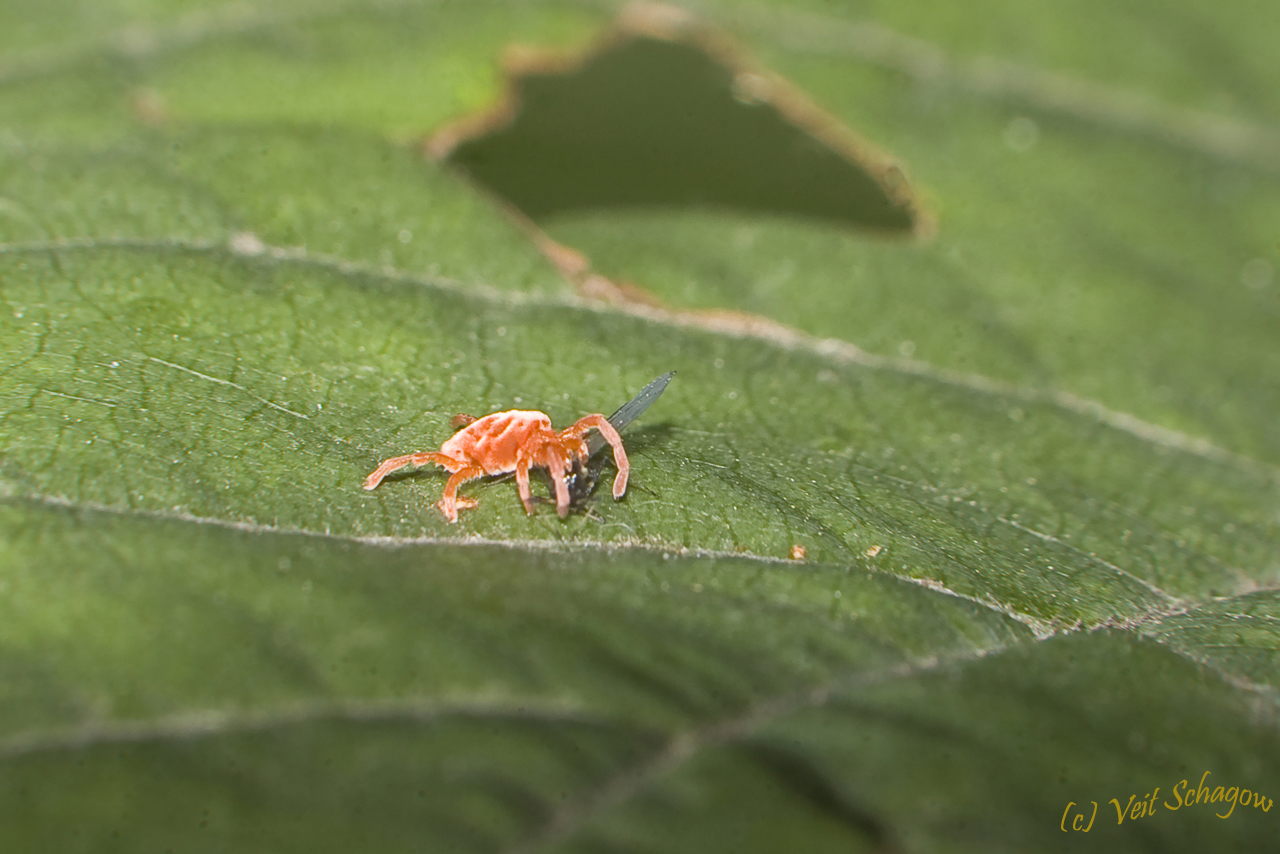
[(391, 464), (450, 503)]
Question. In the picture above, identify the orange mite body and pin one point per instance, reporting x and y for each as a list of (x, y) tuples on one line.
[(512, 441)]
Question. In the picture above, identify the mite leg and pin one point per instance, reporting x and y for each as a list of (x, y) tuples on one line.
[(615, 441), (421, 459), (561, 481), (522, 482), (450, 503)]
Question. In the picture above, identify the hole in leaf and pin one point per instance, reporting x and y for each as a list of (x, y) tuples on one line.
[(663, 112)]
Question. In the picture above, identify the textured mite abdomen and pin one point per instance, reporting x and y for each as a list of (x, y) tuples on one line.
[(493, 441)]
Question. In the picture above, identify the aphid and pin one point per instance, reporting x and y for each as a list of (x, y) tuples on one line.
[(512, 441)]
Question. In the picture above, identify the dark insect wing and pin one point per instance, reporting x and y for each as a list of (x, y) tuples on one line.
[(582, 480), (631, 410)]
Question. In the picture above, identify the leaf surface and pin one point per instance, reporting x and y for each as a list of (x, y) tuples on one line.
[(851, 601)]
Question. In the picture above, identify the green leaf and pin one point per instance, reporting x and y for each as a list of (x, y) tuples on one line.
[(860, 595), (670, 118)]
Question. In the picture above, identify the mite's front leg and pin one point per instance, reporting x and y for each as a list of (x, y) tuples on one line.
[(599, 422), (561, 481)]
